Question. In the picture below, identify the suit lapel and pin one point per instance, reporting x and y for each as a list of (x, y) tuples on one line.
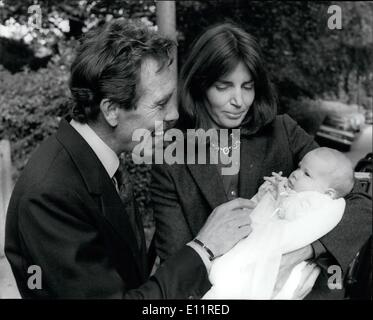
[(251, 165), (99, 184)]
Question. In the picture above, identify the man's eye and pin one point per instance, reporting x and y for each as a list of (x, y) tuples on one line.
[(161, 105), (307, 174)]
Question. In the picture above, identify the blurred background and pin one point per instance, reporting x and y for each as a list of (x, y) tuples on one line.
[(324, 76)]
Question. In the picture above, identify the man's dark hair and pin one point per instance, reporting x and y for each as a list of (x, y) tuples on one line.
[(108, 62)]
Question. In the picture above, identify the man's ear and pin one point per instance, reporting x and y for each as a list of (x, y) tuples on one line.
[(110, 111), (331, 193)]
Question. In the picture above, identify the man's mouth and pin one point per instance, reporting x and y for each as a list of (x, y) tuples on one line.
[(161, 130), (157, 133)]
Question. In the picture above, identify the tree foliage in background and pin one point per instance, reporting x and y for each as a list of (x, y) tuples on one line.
[(32, 103), (304, 56)]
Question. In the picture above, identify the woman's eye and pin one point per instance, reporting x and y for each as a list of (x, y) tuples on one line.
[(307, 174), (221, 87), (248, 87)]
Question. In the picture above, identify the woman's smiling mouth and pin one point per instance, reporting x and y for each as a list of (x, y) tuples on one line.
[(232, 115)]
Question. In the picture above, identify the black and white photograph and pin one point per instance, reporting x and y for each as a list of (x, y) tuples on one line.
[(186, 150)]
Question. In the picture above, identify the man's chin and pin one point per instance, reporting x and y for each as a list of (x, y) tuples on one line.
[(146, 158), (148, 155)]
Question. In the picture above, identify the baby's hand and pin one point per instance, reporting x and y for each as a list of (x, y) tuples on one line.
[(267, 187), (278, 182), (282, 187), (275, 178), (278, 176)]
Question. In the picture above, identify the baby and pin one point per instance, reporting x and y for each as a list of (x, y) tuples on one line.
[(323, 170), (290, 214)]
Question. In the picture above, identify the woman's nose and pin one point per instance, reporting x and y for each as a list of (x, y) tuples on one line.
[(237, 100)]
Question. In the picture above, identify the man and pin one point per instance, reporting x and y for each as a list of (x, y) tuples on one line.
[(66, 217)]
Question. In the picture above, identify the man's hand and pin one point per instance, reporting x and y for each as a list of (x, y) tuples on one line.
[(227, 224), (288, 262)]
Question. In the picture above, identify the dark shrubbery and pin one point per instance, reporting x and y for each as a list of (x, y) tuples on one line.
[(15, 55), (140, 177), (31, 104)]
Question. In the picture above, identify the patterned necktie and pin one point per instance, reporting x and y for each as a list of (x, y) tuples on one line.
[(123, 185)]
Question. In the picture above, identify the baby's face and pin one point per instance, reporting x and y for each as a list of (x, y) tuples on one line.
[(313, 174)]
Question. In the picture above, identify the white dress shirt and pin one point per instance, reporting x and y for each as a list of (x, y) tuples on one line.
[(105, 154)]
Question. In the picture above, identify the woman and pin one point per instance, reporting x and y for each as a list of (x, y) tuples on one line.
[(224, 85)]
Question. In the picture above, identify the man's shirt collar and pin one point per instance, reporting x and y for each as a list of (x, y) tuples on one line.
[(105, 154)]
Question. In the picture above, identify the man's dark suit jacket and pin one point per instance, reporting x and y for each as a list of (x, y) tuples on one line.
[(184, 196), (66, 217)]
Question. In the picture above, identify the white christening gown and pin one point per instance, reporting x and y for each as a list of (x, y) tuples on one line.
[(249, 270)]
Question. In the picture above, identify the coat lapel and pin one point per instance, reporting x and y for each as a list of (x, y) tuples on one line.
[(99, 184), (251, 165), (208, 180)]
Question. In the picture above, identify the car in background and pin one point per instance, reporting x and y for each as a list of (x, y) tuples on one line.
[(369, 116), (353, 121), (335, 137), (341, 125)]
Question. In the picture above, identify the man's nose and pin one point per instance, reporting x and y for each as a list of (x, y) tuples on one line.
[(172, 113), (237, 100)]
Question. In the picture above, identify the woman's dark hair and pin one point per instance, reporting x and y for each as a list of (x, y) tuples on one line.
[(108, 62), (215, 53)]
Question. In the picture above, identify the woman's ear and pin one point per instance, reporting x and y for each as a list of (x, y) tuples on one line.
[(110, 111), (331, 193)]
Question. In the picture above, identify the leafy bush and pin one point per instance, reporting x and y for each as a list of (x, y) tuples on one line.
[(31, 104), (140, 177)]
